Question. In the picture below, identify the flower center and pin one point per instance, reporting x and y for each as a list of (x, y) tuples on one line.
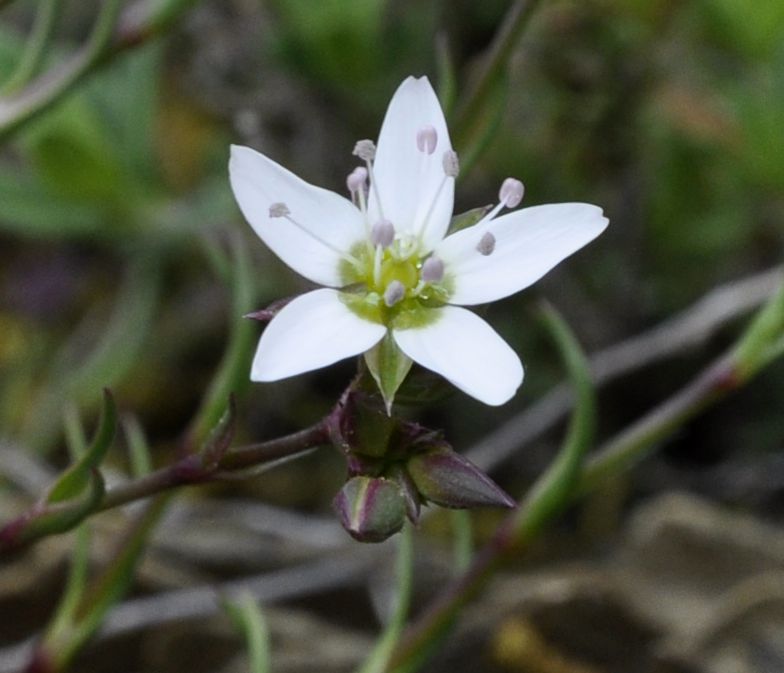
[(394, 286)]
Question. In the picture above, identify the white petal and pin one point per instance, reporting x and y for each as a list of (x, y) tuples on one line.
[(313, 331), (528, 243), (411, 183), (258, 182), (466, 351)]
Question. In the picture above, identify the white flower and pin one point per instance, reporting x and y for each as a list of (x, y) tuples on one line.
[(386, 261)]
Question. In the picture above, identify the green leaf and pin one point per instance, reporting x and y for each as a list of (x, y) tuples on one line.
[(61, 517), (248, 617), (74, 480), (389, 367)]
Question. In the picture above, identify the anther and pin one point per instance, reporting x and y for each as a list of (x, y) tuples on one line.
[(511, 192), (279, 210), (365, 150), (427, 139), (451, 163), (486, 244), (357, 179), (432, 270), (382, 233), (394, 293)]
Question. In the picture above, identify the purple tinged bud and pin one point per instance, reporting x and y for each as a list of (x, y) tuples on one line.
[(394, 293), (365, 150), (427, 139), (357, 179), (279, 210), (486, 244), (511, 192), (382, 233), (433, 270), (370, 508), (450, 480), (451, 163)]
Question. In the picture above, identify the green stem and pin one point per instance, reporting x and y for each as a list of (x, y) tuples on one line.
[(35, 48), (549, 496), (20, 108), (379, 657), (755, 349)]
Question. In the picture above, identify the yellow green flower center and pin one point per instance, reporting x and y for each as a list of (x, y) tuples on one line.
[(369, 272)]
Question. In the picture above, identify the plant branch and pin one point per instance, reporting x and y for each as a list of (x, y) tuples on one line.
[(189, 470), (760, 343), (689, 329)]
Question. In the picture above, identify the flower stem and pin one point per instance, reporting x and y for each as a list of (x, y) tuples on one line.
[(761, 342)]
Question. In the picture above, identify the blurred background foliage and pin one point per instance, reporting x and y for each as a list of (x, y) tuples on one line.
[(116, 216), (115, 201)]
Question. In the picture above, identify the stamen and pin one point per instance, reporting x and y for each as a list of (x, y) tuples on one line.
[(432, 270), (486, 244), (357, 180), (511, 192), (279, 210), (394, 293), (365, 150), (451, 163), (427, 139), (382, 234), (451, 169)]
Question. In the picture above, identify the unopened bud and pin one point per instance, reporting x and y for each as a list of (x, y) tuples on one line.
[(365, 150), (427, 139), (486, 244), (357, 179), (382, 233), (451, 163), (394, 293), (450, 480), (511, 192), (279, 210), (370, 508), (432, 270)]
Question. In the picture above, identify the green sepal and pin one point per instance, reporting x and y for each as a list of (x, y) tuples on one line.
[(468, 219), (73, 481), (388, 366)]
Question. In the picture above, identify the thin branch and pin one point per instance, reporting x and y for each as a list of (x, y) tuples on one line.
[(189, 470), (113, 32), (689, 329), (725, 375)]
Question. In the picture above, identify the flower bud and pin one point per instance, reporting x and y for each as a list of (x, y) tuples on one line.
[(450, 480), (370, 508)]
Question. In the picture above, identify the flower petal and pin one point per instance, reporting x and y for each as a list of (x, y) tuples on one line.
[(411, 184), (528, 243), (313, 331), (258, 182), (466, 351)]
